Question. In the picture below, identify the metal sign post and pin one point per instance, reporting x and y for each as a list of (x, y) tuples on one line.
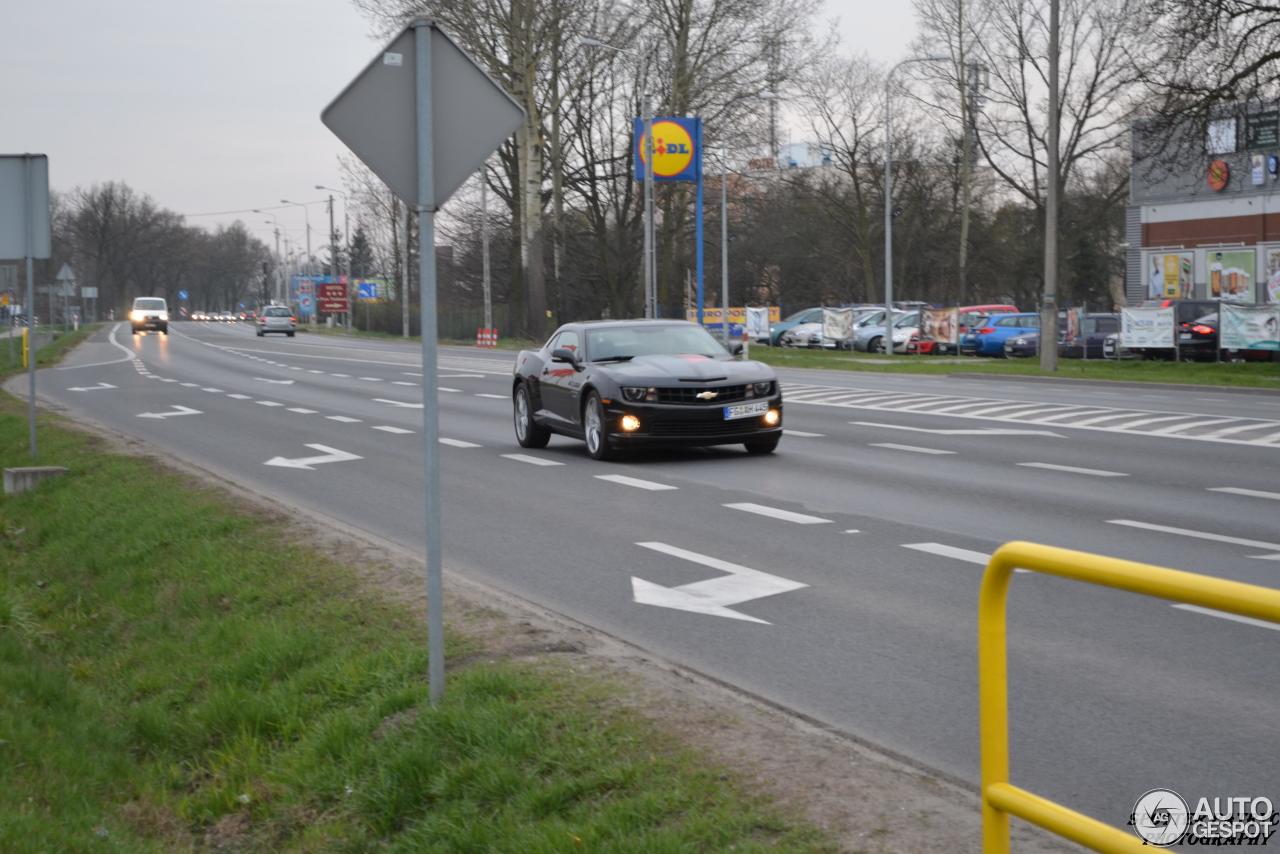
[(424, 116)]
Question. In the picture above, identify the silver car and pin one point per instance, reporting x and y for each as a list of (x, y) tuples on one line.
[(276, 318)]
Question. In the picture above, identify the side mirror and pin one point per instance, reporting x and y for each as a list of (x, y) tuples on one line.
[(561, 354), (736, 350)]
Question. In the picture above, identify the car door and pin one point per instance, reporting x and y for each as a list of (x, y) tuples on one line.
[(561, 381)]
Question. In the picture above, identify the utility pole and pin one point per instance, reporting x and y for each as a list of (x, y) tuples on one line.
[(404, 297), (484, 247), (333, 244), (724, 250), (1049, 307)]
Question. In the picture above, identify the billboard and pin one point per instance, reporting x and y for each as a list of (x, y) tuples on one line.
[(1170, 275), (676, 144), (940, 324), (1249, 327), (1271, 272), (1231, 274), (837, 323)]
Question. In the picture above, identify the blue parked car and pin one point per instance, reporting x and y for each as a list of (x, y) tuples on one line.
[(809, 315), (990, 338)]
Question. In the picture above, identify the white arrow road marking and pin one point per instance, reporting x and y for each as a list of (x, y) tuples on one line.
[(1202, 535), (97, 387), (775, 513), (975, 431), (1235, 490), (715, 595), (399, 403), (328, 455), (274, 382), (651, 485), (178, 410)]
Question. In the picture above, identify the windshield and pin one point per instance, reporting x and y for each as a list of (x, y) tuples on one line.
[(626, 342), (149, 304), (907, 320), (276, 311)]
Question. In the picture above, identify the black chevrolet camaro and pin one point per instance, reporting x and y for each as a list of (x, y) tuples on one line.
[(617, 384)]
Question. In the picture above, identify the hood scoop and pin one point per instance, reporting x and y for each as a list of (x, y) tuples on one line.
[(700, 379)]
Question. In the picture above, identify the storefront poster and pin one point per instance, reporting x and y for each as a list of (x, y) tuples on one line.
[(837, 323), (757, 323), (1146, 327), (1231, 274), (1170, 275), (1075, 325), (941, 324), (1250, 327)]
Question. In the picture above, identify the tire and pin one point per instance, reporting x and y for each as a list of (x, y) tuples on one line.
[(165, 330), (875, 345), (528, 432), (290, 334), (595, 429), (261, 334), (763, 446)]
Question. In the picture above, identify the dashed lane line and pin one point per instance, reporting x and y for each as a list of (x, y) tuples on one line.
[(954, 552), (1224, 615), (302, 410), (1248, 493), (1073, 469), (802, 434), (1199, 535), (915, 449), (638, 483), (239, 396), (268, 403), (343, 419), (778, 513), (458, 443), (492, 396), (387, 428), (533, 461)]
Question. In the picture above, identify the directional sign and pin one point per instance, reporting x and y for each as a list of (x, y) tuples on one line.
[(177, 410), (24, 202), (713, 596), (98, 387), (376, 115), (182, 295), (65, 275), (327, 455)]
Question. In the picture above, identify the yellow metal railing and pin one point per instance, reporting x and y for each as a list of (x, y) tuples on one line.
[(1000, 799)]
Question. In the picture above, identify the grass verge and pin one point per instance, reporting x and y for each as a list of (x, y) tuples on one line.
[(51, 353), (177, 673), (1241, 374)]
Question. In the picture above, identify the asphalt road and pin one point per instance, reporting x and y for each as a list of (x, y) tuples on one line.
[(873, 520)]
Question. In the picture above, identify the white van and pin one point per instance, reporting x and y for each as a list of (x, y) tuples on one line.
[(150, 313)]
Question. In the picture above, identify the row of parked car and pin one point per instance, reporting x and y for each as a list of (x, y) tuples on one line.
[(1002, 331)]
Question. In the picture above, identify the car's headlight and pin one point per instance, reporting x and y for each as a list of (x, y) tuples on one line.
[(637, 393), (1019, 341), (763, 389), (135, 315)]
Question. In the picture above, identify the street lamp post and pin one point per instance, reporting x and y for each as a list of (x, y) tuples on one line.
[(346, 236), (650, 260), (724, 247), (887, 338), (275, 223)]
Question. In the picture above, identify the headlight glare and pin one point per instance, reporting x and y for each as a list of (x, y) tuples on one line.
[(630, 423), (772, 417)]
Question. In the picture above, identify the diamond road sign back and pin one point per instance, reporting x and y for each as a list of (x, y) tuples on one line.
[(376, 116)]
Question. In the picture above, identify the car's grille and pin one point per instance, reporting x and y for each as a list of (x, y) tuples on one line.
[(717, 427), (689, 395)]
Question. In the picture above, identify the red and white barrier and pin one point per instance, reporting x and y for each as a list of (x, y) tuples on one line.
[(486, 337)]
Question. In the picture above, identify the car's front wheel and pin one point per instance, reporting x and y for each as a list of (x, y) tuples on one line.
[(595, 429), (528, 432), (765, 445), (876, 345)]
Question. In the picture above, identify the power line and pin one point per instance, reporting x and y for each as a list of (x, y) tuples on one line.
[(250, 210)]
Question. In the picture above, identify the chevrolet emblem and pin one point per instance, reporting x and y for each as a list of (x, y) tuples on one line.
[(706, 395)]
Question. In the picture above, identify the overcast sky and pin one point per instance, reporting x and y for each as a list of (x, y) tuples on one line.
[(215, 106)]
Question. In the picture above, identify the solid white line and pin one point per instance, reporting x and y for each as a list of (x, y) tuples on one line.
[(802, 434), (912, 448), (458, 443), (776, 513), (1074, 469), (386, 428), (1223, 615), (301, 411), (650, 485), (345, 419), (267, 403), (1200, 535), (238, 396), (485, 394), (943, 550), (1251, 493), (533, 461)]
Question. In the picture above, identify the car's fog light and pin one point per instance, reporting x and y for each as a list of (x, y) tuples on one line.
[(772, 417), (630, 423)]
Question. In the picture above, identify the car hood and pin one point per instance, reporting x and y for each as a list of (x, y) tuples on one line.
[(653, 370)]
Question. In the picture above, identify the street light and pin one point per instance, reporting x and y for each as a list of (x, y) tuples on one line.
[(275, 223), (650, 262), (887, 338), (346, 230), (307, 215)]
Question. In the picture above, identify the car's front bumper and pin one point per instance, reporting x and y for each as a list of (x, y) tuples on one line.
[(670, 424)]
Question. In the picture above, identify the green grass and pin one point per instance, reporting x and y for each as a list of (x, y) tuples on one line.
[(1253, 374), (177, 673), (51, 353)]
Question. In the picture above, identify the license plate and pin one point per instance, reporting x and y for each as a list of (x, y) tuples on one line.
[(1184, 336), (746, 410)]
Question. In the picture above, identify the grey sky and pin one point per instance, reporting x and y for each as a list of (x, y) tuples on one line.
[(215, 106)]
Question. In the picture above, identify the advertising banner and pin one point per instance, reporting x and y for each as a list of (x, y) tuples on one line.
[(1271, 269), (837, 323), (331, 296), (737, 315), (757, 323), (302, 295), (1075, 325), (940, 324), (1170, 275), (675, 148), (1147, 327), (1231, 274), (1249, 327)]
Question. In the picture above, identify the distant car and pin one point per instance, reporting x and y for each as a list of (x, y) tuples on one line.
[(1096, 329), (1198, 338), (149, 313), (1025, 344), (869, 338), (618, 384), (809, 315), (968, 316), (1001, 327), (277, 318), (803, 335)]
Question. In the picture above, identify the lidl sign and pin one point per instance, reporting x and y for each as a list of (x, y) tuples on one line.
[(677, 144)]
